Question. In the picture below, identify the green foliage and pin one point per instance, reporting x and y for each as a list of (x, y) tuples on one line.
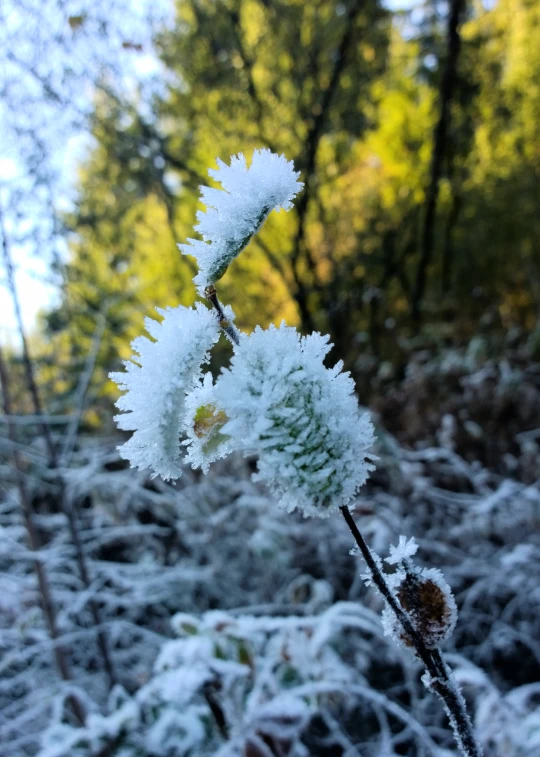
[(207, 424), (349, 92)]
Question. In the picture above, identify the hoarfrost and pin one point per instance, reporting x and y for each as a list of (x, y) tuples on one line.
[(204, 421), (405, 549), (233, 216), (156, 382), (301, 417), (429, 603)]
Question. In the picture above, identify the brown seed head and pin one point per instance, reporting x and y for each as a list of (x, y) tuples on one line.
[(430, 608)]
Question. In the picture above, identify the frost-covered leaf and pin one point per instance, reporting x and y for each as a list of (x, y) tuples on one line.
[(204, 421), (156, 381), (235, 213), (301, 417)]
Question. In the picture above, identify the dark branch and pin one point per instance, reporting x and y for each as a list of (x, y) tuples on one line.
[(440, 136), (307, 165), (432, 658), (226, 325)]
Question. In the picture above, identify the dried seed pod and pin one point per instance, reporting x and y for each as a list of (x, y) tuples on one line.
[(428, 601)]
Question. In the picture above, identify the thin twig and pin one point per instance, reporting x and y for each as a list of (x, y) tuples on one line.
[(209, 692), (440, 680), (224, 322), (82, 389), (30, 379)]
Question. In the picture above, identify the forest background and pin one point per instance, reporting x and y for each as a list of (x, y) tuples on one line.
[(414, 244)]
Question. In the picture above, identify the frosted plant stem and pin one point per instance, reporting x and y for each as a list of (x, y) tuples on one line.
[(440, 677), (224, 322), (209, 692)]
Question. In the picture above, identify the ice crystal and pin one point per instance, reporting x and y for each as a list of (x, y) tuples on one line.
[(204, 421), (301, 417), (156, 381), (233, 216), (405, 549), (367, 577)]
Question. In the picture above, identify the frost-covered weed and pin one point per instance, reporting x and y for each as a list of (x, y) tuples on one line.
[(277, 399), (423, 594), (429, 603)]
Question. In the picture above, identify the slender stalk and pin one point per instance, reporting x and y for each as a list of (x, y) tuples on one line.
[(28, 369), (224, 322), (95, 611), (82, 388), (209, 692), (441, 681)]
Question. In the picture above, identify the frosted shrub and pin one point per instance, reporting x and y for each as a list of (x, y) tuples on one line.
[(228, 686), (278, 399)]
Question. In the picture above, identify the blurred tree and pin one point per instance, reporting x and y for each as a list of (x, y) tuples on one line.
[(49, 63), (394, 211), (293, 76), (497, 255)]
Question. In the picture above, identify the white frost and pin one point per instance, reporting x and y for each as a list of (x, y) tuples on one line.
[(406, 548), (205, 442), (156, 385), (301, 417), (434, 626), (233, 216)]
